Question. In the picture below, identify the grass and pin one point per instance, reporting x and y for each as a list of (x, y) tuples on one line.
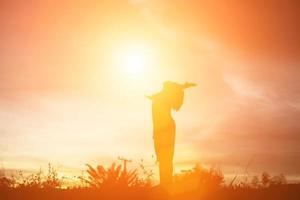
[(116, 182)]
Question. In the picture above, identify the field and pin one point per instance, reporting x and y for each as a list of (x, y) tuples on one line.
[(115, 182)]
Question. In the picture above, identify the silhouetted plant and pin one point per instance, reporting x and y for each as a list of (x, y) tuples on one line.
[(210, 179), (265, 179), (114, 176), (200, 178), (244, 182), (278, 180), (35, 180), (255, 183), (146, 175), (31, 181), (6, 182), (52, 180)]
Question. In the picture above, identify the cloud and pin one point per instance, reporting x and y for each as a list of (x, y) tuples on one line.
[(244, 88), (255, 119), (254, 28)]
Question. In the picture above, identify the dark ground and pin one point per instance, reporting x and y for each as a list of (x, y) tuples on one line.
[(284, 192)]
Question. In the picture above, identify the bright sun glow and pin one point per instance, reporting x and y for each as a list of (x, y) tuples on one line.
[(135, 60)]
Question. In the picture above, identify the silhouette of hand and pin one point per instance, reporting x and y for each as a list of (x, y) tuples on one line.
[(188, 85)]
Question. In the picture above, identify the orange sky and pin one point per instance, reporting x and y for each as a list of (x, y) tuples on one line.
[(65, 98)]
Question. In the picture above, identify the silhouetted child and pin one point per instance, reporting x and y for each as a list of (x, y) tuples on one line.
[(164, 128)]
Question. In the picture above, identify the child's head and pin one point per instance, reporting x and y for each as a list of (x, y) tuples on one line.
[(173, 94)]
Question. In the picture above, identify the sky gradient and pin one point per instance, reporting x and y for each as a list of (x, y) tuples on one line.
[(65, 98)]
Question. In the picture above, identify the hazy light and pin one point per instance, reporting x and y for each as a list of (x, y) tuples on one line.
[(135, 60)]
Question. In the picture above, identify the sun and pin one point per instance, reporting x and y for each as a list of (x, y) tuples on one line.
[(135, 61)]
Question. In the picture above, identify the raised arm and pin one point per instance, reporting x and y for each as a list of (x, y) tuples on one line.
[(188, 85)]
